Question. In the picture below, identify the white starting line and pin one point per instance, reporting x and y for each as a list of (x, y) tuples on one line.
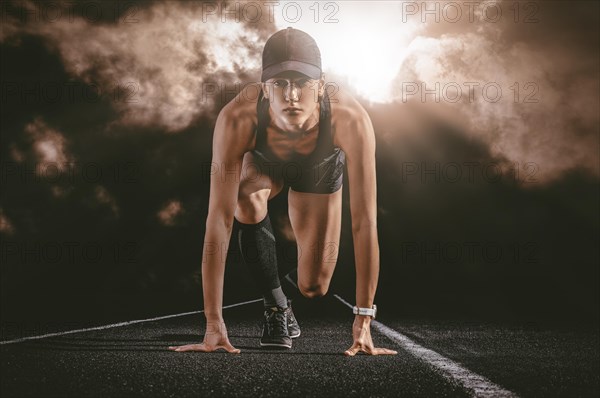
[(476, 385), (116, 325)]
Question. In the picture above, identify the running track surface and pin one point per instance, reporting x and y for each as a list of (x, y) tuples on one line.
[(435, 359)]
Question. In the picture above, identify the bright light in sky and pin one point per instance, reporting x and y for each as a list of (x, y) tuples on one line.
[(366, 45)]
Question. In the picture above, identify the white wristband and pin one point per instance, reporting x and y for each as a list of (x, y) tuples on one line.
[(365, 311)]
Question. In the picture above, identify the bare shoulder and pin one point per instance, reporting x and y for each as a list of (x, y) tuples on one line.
[(349, 119), (237, 119)]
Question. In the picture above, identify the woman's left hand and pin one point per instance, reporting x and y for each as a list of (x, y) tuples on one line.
[(361, 333)]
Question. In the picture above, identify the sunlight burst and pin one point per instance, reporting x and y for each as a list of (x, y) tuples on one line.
[(366, 45)]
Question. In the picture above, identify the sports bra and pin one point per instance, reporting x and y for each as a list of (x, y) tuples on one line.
[(321, 171)]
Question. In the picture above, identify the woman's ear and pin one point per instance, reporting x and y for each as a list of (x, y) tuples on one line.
[(265, 90), (322, 85)]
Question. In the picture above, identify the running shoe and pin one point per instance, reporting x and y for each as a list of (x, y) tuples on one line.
[(292, 323), (275, 331)]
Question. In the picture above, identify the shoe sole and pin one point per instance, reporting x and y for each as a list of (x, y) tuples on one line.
[(275, 345)]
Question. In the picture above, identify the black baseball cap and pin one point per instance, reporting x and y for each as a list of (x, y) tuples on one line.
[(291, 49)]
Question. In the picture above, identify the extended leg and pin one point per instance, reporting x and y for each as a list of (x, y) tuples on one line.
[(257, 245), (254, 232)]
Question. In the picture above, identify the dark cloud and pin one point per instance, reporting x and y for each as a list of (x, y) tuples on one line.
[(550, 53), (159, 68)]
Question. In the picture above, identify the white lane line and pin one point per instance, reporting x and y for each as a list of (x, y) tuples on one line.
[(289, 279), (476, 385), (116, 325)]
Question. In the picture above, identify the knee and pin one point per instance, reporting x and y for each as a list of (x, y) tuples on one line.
[(313, 290), (250, 209)]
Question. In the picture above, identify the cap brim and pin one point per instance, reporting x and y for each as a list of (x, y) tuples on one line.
[(309, 70)]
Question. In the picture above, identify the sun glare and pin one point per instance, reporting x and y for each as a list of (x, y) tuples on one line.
[(362, 42)]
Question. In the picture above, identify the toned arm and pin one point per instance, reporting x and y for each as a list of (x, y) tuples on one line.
[(232, 137), (358, 144)]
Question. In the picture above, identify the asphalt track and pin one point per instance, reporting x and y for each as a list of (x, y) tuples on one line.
[(435, 359)]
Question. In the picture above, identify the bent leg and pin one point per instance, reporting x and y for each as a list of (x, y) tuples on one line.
[(316, 220)]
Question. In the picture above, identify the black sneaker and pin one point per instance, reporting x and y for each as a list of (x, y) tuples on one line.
[(275, 331), (292, 323)]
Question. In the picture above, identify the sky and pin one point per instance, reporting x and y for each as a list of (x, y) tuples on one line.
[(112, 106)]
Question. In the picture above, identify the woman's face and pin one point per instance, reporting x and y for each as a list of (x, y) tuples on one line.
[(293, 98)]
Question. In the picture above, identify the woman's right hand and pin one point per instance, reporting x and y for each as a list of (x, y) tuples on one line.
[(215, 338)]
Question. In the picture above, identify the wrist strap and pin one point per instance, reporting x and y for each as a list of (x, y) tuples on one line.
[(365, 311)]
